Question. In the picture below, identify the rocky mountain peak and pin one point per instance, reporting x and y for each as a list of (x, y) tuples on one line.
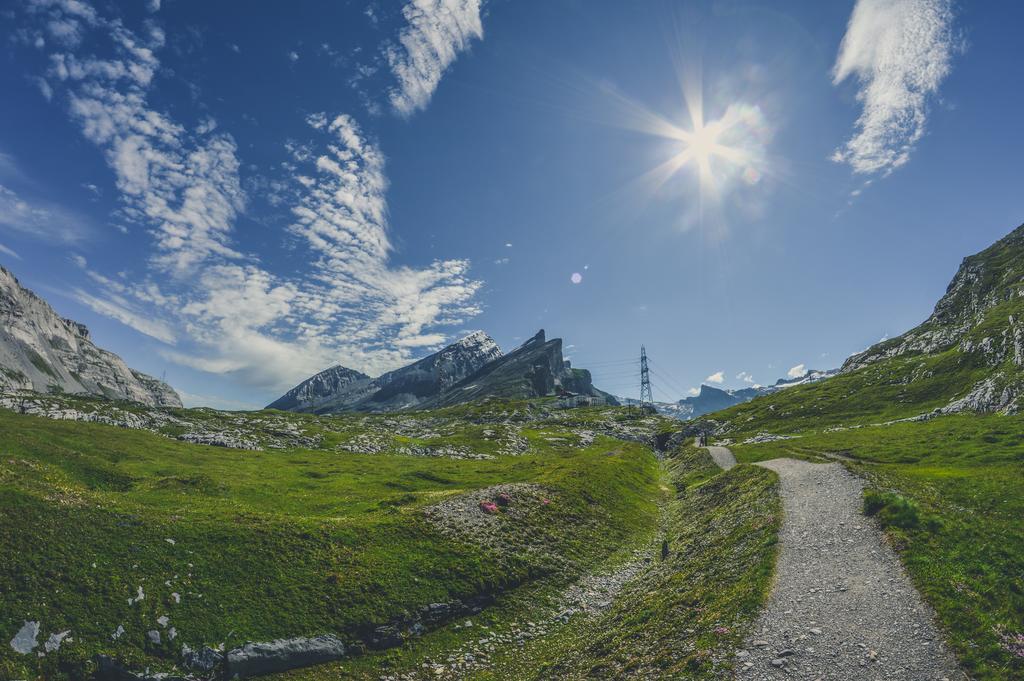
[(319, 388), (537, 339), (471, 368), (342, 389)]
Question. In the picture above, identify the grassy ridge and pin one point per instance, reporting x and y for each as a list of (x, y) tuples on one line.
[(271, 544), (895, 389), (950, 492)]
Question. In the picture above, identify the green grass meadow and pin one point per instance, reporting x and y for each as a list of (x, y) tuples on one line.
[(262, 545)]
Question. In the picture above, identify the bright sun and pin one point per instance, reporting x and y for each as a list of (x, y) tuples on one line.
[(721, 151), (705, 145)]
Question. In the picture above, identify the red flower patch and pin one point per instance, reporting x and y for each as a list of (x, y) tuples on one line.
[(488, 507)]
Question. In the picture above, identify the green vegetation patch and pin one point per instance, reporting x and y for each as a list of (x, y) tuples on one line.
[(40, 363)]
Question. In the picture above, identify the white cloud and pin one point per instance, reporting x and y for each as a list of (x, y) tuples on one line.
[(797, 371), (694, 391), (436, 32), (717, 377), (39, 219), (350, 306), (293, 56), (8, 251), (745, 377), (900, 51), (343, 216)]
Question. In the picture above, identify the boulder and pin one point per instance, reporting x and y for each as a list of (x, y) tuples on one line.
[(258, 659)]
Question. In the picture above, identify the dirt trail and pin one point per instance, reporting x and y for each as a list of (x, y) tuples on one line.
[(841, 607)]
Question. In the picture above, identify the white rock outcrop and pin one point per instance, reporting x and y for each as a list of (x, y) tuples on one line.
[(44, 352)]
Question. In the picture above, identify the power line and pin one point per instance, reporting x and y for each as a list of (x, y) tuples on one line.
[(663, 375), (671, 384)]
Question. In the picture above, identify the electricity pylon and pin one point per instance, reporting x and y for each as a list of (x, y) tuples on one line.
[(646, 396)]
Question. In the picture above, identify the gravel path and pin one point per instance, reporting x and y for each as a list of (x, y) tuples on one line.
[(841, 607)]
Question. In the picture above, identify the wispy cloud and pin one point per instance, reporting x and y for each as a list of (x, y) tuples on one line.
[(182, 184), (121, 310), (343, 216), (39, 219), (900, 51), (9, 251), (436, 32), (228, 312), (717, 377), (745, 377)]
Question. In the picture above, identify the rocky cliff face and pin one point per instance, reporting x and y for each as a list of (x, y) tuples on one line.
[(535, 369), (977, 327), (436, 373), (42, 351)]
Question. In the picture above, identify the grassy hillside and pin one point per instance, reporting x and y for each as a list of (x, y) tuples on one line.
[(686, 616), (236, 545)]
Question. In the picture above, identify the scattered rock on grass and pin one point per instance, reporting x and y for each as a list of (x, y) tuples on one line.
[(24, 641)]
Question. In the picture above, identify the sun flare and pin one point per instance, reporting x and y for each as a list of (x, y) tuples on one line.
[(720, 149), (723, 153)]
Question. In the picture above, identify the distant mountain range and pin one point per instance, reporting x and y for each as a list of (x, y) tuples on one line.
[(470, 369), (711, 399), (42, 351)]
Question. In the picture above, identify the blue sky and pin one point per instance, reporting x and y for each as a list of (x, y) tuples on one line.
[(239, 199)]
